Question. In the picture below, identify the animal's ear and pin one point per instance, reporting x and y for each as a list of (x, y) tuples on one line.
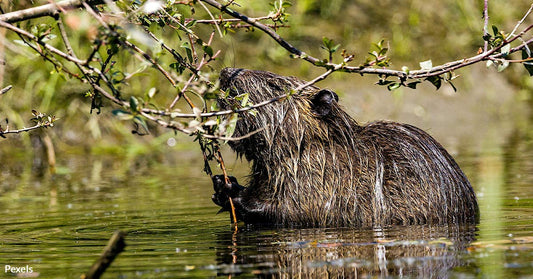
[(322, 101)]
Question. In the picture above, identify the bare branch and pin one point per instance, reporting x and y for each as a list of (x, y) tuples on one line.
[(44, 10), (45, 45), (240, 110), (520, 22)]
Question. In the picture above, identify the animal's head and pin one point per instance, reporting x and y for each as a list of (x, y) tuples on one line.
[(294, 120)]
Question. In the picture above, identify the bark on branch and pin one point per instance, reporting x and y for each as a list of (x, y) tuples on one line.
[(45, 10)]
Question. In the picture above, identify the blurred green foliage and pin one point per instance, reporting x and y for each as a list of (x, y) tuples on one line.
[(413, 31)]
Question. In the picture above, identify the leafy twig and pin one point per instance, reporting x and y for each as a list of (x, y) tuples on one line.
[(416, 74), (41, 121)]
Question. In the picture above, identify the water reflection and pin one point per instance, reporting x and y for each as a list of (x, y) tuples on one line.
[(415, 251), (58, 224)]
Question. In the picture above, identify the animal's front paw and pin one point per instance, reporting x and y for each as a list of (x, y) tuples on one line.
[(224, 191)]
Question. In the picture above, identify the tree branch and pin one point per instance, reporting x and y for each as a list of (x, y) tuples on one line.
[(45, 10), (26, 129), (114, 247), (416, 74)]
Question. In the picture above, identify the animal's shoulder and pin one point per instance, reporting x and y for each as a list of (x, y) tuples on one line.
[(390, 129)]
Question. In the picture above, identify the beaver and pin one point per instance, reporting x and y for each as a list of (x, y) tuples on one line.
[(315, 166)]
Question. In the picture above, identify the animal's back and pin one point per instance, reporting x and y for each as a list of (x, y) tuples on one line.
[(418, 181)]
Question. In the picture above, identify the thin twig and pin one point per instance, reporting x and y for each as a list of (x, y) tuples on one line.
[(486, 24), (5, 89), (40, 42), (27, 129), (183, 27), (520, 22), (220, 160), (152, 61), (44, 10), (202, 63), (212, 17), (239, 110)]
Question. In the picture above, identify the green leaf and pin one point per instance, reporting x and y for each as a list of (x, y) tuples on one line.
[(230, 129), (413, 84), (178, 67), (210, 96), (435, 80), (245, 99), (208, 50), (328, 45), (122, 115), (503, 65), (394, 86), (385, 82), (190, 23), (426, 65), (139, 120), (214, 106), (453, 86), (327, 42), (151, 92), (286, 4), (134, 104), (495, 30), (379, 45), (528, 64), (188, 49), (505, 49)]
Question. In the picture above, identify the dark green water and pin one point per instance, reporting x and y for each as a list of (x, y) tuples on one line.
[(58, 225)]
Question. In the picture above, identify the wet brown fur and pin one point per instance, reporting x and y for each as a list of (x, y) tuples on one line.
[(314, 165)]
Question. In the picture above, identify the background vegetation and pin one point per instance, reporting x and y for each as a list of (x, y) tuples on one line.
[(413, 31)]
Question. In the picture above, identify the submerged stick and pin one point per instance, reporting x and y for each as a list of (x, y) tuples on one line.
[(226, 179), (214, 151), (114, 247)]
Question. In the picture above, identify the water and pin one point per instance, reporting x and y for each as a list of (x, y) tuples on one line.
[(58, 225)]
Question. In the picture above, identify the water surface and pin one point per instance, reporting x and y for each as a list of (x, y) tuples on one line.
[(59, 224)]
